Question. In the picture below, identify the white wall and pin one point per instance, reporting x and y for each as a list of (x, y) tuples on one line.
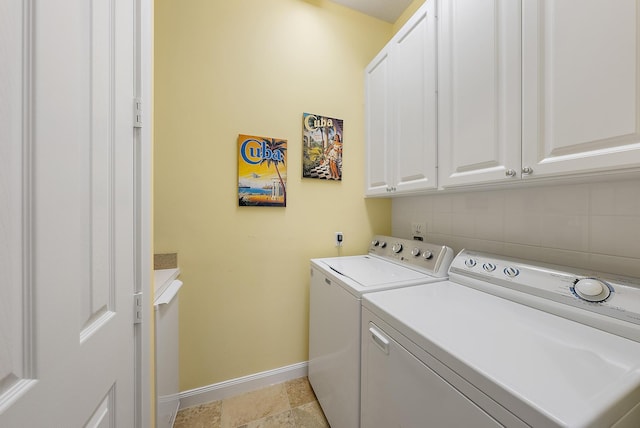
[(593, 225)]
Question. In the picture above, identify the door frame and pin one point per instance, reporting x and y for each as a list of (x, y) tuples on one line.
[(143, 87)]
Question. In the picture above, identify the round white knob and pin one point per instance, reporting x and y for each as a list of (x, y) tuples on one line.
[(397, 248), (383, 244), (427, 255), (590, 287), (592, 290), (470, 262), (375, 243), (415, 252)]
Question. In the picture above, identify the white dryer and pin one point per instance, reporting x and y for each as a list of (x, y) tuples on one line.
[(336, 289), (503, 342)]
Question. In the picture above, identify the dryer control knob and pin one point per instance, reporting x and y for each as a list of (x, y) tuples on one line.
[(470, 262), (383, 244), (415, 252), (511, 271), (375, 243), (591, 290), (427, 255), (397, 248)]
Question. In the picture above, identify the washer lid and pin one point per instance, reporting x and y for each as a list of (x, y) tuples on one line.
[(370, 271), (547, 370)]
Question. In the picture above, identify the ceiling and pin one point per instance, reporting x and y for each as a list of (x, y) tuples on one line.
[(387, 10)]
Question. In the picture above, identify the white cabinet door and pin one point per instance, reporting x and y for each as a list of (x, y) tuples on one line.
[(479, 98), (377, 123), (414, 102), (401, 110), (581, 85)]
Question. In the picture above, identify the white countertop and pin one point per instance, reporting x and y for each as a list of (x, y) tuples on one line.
[(164, 278)]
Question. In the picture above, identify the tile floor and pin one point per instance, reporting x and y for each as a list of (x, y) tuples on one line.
[(290, 404)]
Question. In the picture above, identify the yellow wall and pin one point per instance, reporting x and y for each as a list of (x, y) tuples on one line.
[(224, 68)]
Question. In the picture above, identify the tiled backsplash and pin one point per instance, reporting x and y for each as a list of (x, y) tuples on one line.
[(592, 225)]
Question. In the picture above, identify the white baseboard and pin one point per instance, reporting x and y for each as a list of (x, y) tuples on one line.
[(229, 388)]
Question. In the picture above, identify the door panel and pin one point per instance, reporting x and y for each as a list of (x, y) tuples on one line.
[(581, 85), (400, 390), (478, 90), (16, 299), (69, 214), (377, 125), (414, 79)]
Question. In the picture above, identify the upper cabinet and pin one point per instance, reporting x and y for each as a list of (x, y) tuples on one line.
[(573, 107), (478, 90), (526, 89), (401, 127), (580, 86)]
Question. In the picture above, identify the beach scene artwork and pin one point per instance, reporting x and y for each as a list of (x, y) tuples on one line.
[(262, 171)]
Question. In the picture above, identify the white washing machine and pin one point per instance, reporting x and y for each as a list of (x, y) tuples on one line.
[(503, 342), (337, 286)]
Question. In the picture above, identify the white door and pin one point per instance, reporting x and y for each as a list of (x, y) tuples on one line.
[(581, 86), (378, 126), (66, 213), (414, 101), (478, 91)]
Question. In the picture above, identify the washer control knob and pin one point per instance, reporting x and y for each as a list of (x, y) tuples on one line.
[(489, 267), (511, 272), (397, 247), (375, 243), (383, 244), (427, 255), (470, 262), (415, 252), (591, 290)]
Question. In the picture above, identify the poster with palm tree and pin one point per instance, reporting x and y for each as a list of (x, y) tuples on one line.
[(322, 147), (262, 171)]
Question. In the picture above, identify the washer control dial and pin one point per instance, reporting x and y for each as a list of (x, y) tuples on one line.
[(591, 290), (375, 243), (489, 267), (427, 255), (383, 244), (470, 262), (415, 252), (511, 272), (397, 248)]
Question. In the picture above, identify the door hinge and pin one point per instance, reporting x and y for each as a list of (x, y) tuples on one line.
[(137, 307), (137, 113)]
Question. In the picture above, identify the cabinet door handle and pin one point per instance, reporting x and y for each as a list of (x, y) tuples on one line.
[(379, 339), (510, 173), (527, 170)]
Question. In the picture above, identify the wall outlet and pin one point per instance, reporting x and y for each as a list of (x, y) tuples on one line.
[(339, 239), (418, 229)]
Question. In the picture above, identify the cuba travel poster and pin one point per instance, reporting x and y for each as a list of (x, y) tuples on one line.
[(322, 147), (262, 171)]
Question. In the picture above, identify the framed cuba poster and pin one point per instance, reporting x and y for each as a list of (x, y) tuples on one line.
[(322, 147), (262, 171)]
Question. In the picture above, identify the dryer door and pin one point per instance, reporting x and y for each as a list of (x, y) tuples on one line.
[(399, 390)]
